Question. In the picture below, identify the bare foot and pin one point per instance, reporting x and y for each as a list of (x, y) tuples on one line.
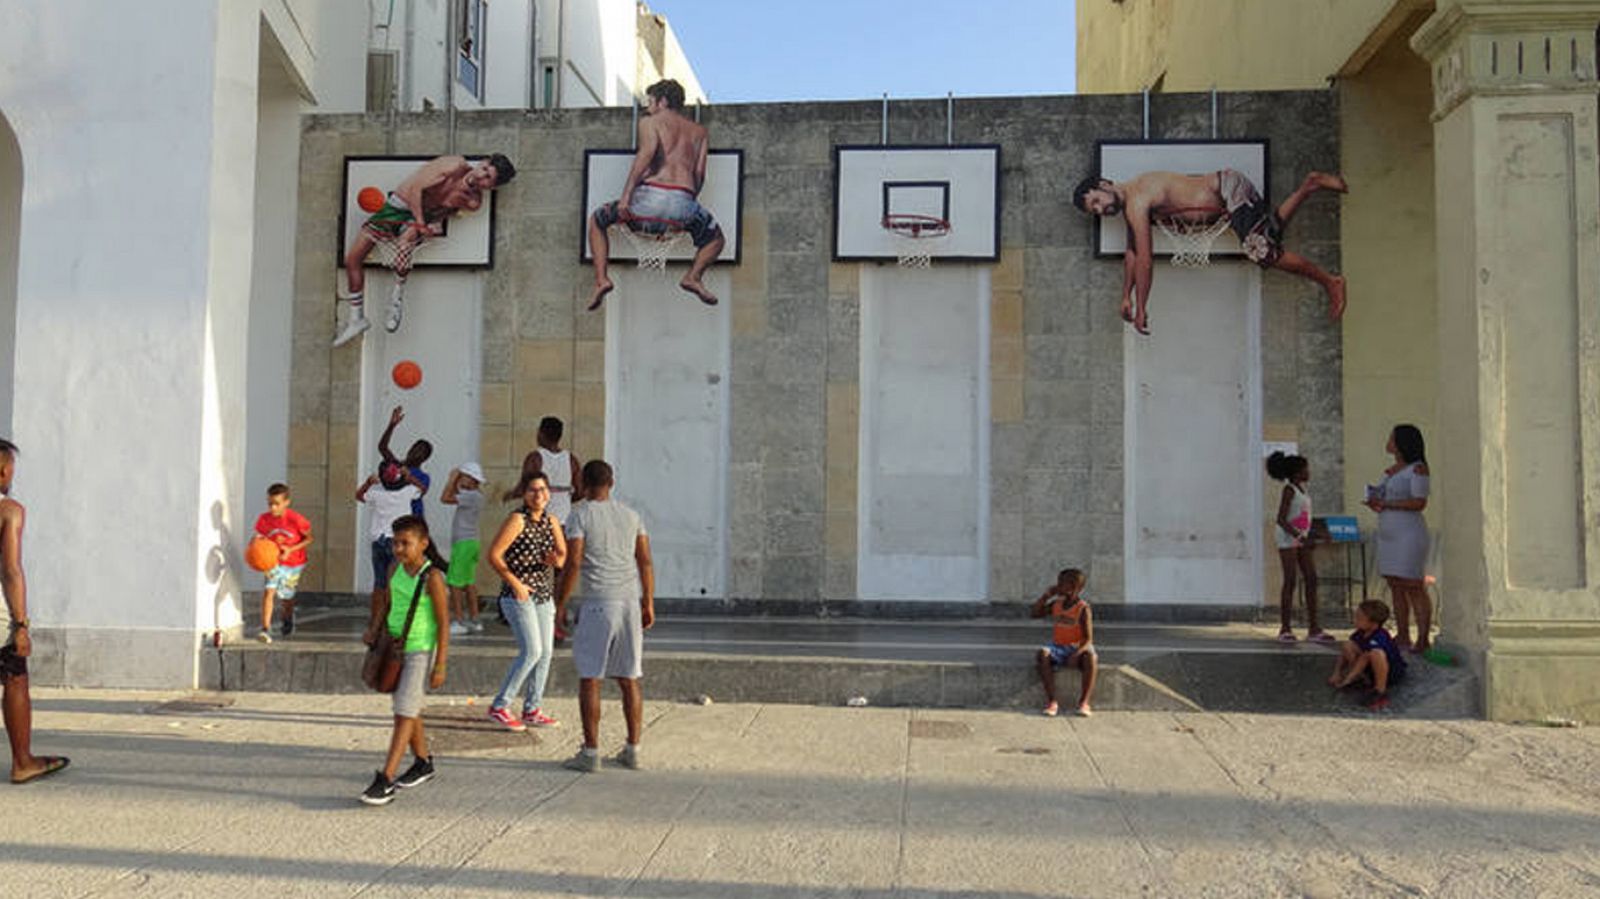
[(1327, 181), (1336, 299), (601, 288), (694, 286), (1127, 312), (1333, 681), (1141, 322)]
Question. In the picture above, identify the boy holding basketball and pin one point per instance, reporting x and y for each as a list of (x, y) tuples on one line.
[(1071, 641), (292, 532)]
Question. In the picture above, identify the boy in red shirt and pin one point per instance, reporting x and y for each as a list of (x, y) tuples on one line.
[(1072, 639), (292, 532)]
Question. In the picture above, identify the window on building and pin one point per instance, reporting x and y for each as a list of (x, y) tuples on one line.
[(549, 86), (470, 15)]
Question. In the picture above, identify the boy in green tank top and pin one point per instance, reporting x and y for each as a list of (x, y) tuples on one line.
[(413, 580)]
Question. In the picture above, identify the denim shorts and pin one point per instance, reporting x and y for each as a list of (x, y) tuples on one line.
[(1059, 654), (659, 208), (382, 561)]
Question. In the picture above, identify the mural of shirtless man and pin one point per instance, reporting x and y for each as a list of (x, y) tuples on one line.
[(661, 192), (1199, 199), (412, 213)]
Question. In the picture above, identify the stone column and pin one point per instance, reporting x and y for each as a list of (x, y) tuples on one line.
[(1516, 458)]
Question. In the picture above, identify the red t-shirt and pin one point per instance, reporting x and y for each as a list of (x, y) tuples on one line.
[(287, 529)]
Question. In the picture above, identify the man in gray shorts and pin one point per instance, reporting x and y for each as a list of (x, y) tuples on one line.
[(608, 566)]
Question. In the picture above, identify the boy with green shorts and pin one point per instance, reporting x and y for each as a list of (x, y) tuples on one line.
[(464, 490)]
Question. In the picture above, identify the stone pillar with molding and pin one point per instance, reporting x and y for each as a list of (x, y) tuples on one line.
[(1517, 456)]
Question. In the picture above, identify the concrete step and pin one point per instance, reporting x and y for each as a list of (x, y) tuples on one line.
[(939, 664)]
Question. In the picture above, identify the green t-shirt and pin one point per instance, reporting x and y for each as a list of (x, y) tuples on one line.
[(424, 636)]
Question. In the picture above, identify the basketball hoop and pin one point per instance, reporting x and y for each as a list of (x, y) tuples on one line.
[(654, 248), (915, 237), (392, 252), (1192, 241)]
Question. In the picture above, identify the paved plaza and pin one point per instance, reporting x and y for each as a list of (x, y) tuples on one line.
[(170, 796)]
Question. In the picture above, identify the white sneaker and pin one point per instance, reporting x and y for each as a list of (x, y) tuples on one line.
[(458, 629), (355, 326), (477, 626), (397, 311)]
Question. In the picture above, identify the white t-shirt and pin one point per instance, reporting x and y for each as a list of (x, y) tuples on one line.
[(609, 531), (387, 506), (464, 524)]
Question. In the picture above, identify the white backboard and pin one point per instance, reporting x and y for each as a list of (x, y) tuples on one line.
[(468, 239), (1122, 161), (958, 183), (605, 173)]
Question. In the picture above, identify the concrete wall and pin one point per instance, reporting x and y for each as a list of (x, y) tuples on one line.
[(1056, 347)]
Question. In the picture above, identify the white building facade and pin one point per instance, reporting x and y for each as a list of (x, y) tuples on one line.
[(149, 159)]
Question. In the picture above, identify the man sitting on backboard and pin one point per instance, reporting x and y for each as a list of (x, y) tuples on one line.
[(660, 194), (412, 213), (1200, 199)]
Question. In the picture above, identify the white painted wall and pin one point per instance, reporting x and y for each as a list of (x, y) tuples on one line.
[(442, 333), (10, 225), (1192, 425), (923, 489), (508, 55), (137, 125), (667, 426)]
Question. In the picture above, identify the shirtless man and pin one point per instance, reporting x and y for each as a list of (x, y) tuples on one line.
[(1199, 199), (660, 194), (16, 642), (413, 212)]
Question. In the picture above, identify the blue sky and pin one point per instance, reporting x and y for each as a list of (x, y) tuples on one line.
[(764, 50)]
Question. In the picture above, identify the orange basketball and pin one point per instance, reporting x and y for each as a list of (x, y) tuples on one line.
[(262, 554), (370, 199), (406, 374)]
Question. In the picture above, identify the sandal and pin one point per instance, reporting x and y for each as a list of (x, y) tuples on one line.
[(53, 764), (1322, 636), (1287, 637)]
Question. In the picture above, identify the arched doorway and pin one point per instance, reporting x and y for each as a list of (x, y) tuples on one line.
[(10, 229)]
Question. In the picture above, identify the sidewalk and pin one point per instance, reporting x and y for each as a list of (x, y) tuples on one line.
[(259, 799)]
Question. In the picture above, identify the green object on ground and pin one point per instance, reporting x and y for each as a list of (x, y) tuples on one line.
[(1439, 657)]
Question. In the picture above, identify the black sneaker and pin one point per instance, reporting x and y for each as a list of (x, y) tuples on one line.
[(420, 772), (287, 627), (381, 792)]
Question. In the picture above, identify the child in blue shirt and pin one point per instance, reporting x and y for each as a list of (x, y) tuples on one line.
[(1370, 655)]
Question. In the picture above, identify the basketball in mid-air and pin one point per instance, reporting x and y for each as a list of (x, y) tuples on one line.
[(406, 374), (262, 554), (370, 199)]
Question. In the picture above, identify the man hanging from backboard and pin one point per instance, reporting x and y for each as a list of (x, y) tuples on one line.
[(412, 213), (660, 195), (1226, 198)]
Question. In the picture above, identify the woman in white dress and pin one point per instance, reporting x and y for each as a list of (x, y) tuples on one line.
[(1399, 499)]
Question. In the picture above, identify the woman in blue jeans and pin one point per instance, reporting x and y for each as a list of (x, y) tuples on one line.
[(526, 552)]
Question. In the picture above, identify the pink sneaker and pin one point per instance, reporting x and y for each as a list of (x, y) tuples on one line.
[(501, 716), (537, 718)]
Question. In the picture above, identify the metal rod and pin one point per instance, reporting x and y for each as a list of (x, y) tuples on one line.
[(883, 131), (697, 107), (1213, 112), (635, 123), (450, 51), (950, 117), (1147, 113)]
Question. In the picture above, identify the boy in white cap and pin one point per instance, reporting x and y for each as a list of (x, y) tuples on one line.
[(464, 490)]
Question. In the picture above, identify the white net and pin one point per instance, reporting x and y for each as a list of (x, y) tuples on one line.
[(654, 250), (917, 242), (393, 253), (1192, 241)]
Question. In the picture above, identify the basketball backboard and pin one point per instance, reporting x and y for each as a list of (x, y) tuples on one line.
[(468, 239), (1124, 160), (955, 183), (605, 173)]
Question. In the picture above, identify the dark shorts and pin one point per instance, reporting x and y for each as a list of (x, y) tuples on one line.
[(11, 664), (661, 209), (382, 561), (1255, 222)]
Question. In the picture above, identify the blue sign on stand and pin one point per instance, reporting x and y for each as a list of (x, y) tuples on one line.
[(1343, 529)]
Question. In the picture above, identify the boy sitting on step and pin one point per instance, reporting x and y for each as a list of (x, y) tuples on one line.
[(1072, 640)]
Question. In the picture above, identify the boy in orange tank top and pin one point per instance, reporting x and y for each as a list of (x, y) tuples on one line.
[(1071, 641)]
